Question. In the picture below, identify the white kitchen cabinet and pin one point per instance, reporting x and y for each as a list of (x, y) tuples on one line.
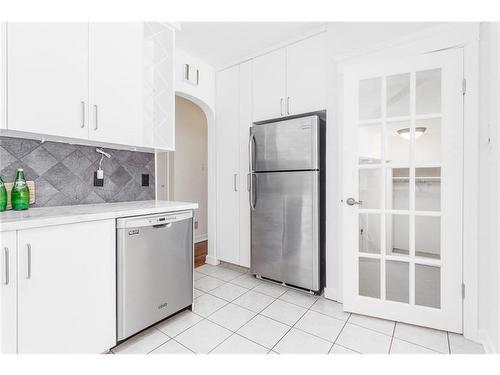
[(233, 118), (8, 293), (290, 80), (90, 82), (159, 95), (228, 146), (269, 85), (245, 122), (306, 75), (116, 82), (47, 78), (66, 288)]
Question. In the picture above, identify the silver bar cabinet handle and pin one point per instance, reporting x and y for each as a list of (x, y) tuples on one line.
[(6, 265), (288, 105), (28, 276), (235, 184), (83, 114), (281, 106), (96, 117)]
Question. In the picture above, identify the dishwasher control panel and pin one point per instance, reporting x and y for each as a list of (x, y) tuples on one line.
[(153, 220)]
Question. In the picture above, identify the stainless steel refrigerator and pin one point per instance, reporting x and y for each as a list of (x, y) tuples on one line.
[(286, 201)]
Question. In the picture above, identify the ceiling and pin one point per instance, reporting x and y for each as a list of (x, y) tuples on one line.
[(220, 43)]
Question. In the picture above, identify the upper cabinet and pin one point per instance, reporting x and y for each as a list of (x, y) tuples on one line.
[(102, 82), (116, 82), (269, 85), (306, 75), (290, 80), (47, 78)]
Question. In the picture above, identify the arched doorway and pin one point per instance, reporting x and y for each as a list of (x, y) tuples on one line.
[(187, 174)]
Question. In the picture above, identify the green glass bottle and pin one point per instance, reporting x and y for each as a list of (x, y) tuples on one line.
[(3, 196), (20, 196)]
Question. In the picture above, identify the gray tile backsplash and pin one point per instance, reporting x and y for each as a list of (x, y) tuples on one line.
[(64, 173)]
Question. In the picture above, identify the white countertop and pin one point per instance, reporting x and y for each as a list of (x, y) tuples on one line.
[(44, 216)]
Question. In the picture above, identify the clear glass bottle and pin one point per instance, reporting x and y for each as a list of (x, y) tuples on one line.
[(3, 196), (20, 195)]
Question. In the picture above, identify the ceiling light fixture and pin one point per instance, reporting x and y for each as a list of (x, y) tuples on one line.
[(405, 132)]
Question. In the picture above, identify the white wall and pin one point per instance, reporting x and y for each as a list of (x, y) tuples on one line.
[(489, 223), (189, 166), (205, 90)]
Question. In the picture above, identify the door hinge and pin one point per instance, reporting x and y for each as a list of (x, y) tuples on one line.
[(464, 86), (463, 291)]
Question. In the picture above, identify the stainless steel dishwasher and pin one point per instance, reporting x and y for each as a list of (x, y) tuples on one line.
[(154, 269)]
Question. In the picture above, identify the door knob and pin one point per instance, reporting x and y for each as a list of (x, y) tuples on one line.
[(352, 202)]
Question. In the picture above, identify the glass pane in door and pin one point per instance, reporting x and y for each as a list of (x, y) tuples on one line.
[(398, 142), (397, 234), (370, 143), (428, 189), (427, 286), (369, 277), (428, 140), (428, 92), (370, 183), (370, 99), (369, 233), (428, 236), (398, 189), (397, 281), (398, 95)]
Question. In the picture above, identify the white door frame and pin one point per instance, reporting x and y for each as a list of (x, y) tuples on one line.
[(211, 172), (463, 35)]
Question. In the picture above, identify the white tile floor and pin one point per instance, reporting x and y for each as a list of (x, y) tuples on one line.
[(235, 313)]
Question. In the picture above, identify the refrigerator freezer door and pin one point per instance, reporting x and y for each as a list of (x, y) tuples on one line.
[(285, 228), (285, 145)]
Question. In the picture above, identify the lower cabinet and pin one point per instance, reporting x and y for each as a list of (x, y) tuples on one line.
[(8, 293), (66, 289)]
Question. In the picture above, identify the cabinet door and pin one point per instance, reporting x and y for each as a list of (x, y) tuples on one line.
[(228, 146), (245, 121), (306, 75), (269, 85), (66, 291), (116, 82), (47, 78), (8, 293), (159, 96)]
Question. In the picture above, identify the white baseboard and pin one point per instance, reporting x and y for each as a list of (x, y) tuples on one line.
[(201, 238), (212, 260)]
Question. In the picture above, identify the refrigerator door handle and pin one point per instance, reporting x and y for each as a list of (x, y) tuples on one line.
[(251, 153), (253, 191)]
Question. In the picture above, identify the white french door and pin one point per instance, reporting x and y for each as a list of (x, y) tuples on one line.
[(402, 189)]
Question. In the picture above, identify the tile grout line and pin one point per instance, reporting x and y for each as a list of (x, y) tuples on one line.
[(449, 346), (286, 333), (338, 335), (392, 338)]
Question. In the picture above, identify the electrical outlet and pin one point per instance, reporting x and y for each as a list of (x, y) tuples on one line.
[(196, 224), (145, 180), (98, 181)]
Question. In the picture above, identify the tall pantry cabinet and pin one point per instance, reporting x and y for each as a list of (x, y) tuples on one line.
[(233, 120)]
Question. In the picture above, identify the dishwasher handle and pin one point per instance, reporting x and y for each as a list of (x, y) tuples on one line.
[(166, 225)]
